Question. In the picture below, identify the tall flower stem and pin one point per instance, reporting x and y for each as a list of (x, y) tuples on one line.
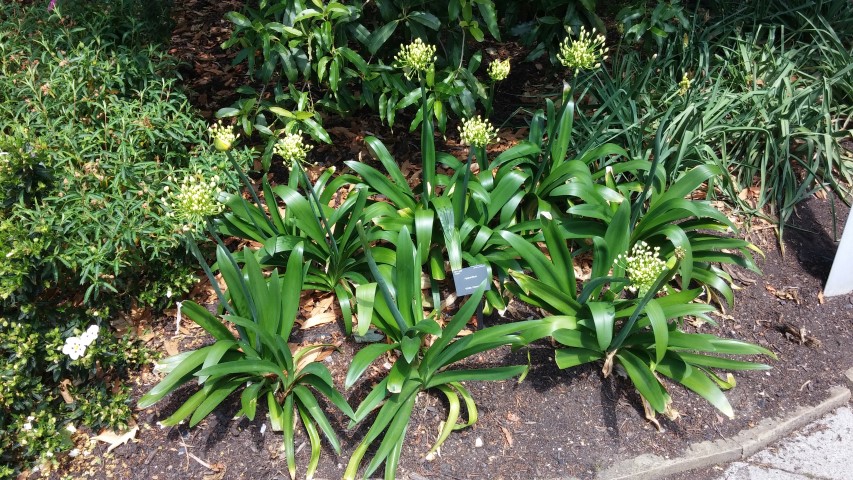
[(427, 146)]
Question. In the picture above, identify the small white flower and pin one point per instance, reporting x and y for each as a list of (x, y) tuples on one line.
[(29, 425), (499, 70), (74, 453), (584, 53), (90, 335), (643, 266), (71, 428), (291, 147), (74, 348), (477, 132), (169, 292), (416, 58), (223, 137)]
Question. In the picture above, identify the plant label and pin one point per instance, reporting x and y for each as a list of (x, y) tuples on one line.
[(840, 279), (468, 279)]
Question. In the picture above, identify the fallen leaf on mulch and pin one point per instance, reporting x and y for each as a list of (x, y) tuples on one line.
[(318, 353), (800, 335), (820, 298), (320, 319), (114, 439), (507, 436), (171, 347), (784, 293)]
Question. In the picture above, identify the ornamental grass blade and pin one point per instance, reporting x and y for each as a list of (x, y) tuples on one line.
[(306, 402), (395, 434), (572, 357), (249, 399), (284, 417), (561, 257), (291, 288), (364, 295), (177, 377), (659, 327), (603, 317), (407, 279)]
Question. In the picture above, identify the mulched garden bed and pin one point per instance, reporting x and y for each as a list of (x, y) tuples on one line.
[(553, 424)]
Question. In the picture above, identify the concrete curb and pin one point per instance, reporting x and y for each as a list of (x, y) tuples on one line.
[(741, 446)]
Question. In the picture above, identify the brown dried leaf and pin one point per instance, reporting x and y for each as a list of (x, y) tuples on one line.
[(171, 346), (507, 436), (63, 390), (320, 319), (114, 439), (322, 306)]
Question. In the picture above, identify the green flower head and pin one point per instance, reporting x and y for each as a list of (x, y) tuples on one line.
[(291, 147), (194, 200), (683, 85), (499, 70), (477, 132), (642, 266), (415, 58), (584, 53), (223, 137)]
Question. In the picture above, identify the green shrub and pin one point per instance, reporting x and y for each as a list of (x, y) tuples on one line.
[(96, 130), (34, 368)]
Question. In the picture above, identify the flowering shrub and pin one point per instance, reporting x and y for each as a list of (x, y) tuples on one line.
[(57, 372)]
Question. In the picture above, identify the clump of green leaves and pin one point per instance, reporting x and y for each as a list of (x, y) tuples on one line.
[(263, 311), (83, 187), (34, 370)]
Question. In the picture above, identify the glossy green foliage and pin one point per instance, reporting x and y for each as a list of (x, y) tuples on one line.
[(425, 350), (262, 309)]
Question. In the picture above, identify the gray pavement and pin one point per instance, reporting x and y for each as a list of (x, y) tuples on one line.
[(821, 450), (814, 442)]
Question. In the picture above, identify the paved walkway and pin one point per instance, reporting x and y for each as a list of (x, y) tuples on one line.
[(823, 450)]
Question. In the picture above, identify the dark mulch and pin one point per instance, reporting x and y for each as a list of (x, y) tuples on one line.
[(555, 423)]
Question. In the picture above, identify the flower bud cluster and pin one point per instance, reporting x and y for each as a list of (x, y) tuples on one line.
[(477, 132), (223, 137), (584, 53), (643, 266), (684, 85), (291, 147), (194, 200), (499, 70), (75, 347), (415, 58)]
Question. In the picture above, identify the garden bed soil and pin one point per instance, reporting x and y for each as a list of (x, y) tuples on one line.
[(553, 424)]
